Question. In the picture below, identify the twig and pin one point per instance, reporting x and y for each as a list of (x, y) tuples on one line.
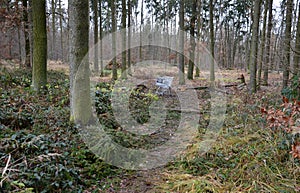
[(7, 164), (5, 169)]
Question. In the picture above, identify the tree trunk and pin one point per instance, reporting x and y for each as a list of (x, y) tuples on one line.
[(129, 35), (141, 35), (80, 103), (263, 39), (297, 47), (114, 28), (30, 26), (39, 74), (268, 45), (19, 44), (254, 46), (287, 43), (96, 50), (53, 6), (192, 40), (101, 36), (181, 43), (212, 42), (199, 25), (26, 34), (124, 74), (61, 30)]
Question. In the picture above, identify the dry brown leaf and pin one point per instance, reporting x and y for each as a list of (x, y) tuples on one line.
[(295, 130), (296, 150)]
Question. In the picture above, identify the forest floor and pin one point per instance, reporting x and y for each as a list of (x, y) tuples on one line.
[(41, 151)]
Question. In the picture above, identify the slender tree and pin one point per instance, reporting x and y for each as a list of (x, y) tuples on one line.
[(199, 26), (114, 28), (141, 27), (80, 102), (181, 43), (124, 15), (30, 18), (263, 39), (297, 47), (101, 36), (192, 39), (129, 35), (212, 41), (254, 46), (268, 44), (26, 33), (287, 43), (95, 19), (39, 74), (61, 28), (53, 45)]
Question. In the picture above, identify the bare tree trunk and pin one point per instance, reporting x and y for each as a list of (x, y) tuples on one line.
[(268, 45), (199, 25), (80, 103), (262, 47), (96, 50), (192, 41), (101, 36), (141, 35), (297, 47), (254, 46), (39, 73), (114, 28), (287, 43), (61, 30), (53, 6), (19, 43), (212, 42), (181, 43), (124, 74), (26, 34), (30, 23), (129, 35)]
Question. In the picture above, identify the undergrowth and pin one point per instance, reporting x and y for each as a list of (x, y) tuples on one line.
[(40, 151), (247, 157)]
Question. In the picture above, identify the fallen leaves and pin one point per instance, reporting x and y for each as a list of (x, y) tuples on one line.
[(296, 150), (285, 119)]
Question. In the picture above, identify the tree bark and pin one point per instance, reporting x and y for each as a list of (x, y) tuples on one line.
[(30, 23), (212, 41), (199, 25), (39, 74), (268, 45), (96, 50), (26, 33), (129, 35), (192, 40), (287, 43), (263, 39), (181, 43), (254, 46), (101, 36), (61, 30), (80, 103), (114, 28), (53, 6), (124, 15), (297, 47), (141, 34)]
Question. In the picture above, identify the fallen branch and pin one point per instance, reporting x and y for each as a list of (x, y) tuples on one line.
[(5, 169)]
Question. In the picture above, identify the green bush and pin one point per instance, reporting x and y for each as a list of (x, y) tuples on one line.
[(41, 149), (293, 91)]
